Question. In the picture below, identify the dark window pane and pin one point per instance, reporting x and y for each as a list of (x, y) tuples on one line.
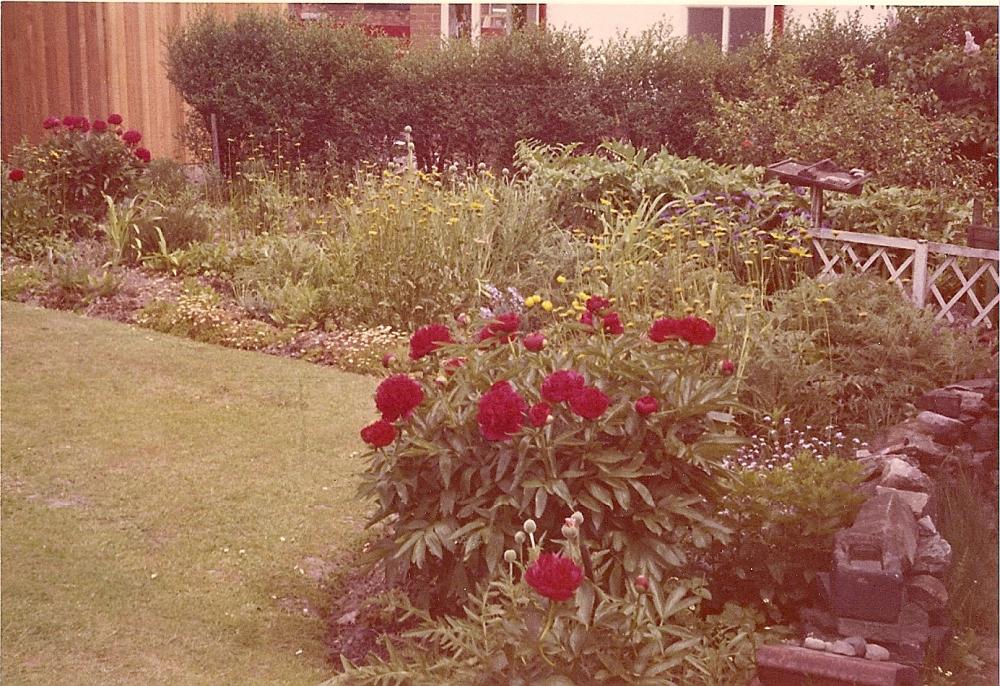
[(705, 23), (745, 23)]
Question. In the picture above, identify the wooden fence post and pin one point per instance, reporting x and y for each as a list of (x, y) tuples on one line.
[(920, 273)]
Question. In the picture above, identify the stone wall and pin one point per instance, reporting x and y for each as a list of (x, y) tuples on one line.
[(886, 601)]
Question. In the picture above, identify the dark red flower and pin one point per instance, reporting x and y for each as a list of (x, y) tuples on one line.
[(697, 331), (727, 367), (560, 386), (379, 434), (131, 136), (427, 339), (454, 363), (70, 121), (16, 175), (501, 412), (589, 402), (554, 576), (114, 119), (613, 324), (397, 396), (665, 328), (539, 413), (99, 125), (534, 342), (587, 317), (502, 328), (597, 304), (51, 123), (143, 154), (647, 404)]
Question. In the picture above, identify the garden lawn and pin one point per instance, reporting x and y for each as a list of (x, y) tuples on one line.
[(165, 505)]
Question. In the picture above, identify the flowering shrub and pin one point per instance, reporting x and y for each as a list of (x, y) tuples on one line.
[(540, 620), (513, 432), (73, 168)]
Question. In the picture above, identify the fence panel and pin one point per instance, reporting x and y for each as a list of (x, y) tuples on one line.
[(90, 59), (956, 281)]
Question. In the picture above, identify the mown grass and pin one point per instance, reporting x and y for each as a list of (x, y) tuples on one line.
[(161, 502)]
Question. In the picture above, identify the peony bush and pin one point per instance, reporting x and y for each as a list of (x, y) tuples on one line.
[(495, 422)]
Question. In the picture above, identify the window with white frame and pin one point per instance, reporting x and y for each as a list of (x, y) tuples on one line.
[(730, 28)]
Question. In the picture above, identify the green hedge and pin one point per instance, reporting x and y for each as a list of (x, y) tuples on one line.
[(290, 91)]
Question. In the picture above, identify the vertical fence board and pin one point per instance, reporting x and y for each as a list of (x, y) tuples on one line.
[(95, 58)]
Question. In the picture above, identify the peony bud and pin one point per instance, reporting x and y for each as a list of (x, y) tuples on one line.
[(510, 556), (407, 129), (530, 526), (519, 538), (727, 367), (577, 517), (642, 582), (569, 531), (388, 360), (534, 342)]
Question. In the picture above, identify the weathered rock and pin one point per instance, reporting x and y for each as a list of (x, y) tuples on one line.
[(933, 556), (858, 643), (779, 665), (813, 643), (984, 385), (842, 648), (871, 558), (908, 438), (927, 592), (873, 651), (897, 473), (912, 627), (942, 429), (984, 435), (941, 401), (919, 503), (925, 527)]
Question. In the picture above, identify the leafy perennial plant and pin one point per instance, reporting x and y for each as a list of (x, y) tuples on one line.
[(625, 422)]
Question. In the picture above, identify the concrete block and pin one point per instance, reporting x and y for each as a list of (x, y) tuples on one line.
[(791, 666)]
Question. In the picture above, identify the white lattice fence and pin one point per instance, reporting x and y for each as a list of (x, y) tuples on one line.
[(940, 275)]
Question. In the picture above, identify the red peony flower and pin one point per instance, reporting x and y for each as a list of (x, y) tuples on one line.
[(502, 328), (727, 367), (70, 121), (501, 412), (131, 136), (587, 317), (427, 339), (613, 324), (539, 413), (114, 119), (597, 304), (143, 154), (100, 125), (379, 434), (589, 402), (560, 386), (534, 342), (697, 331), (554, 576), (51, 123), (665, 328), (397, 396), (16, 175), (83, 124), (646, 405)]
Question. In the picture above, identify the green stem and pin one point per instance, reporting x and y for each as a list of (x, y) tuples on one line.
[(549, 621)]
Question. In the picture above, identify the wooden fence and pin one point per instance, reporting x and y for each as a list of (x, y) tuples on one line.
[(952, 279), (91, 59)]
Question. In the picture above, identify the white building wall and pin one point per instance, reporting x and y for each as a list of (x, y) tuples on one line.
[(602, 22)]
